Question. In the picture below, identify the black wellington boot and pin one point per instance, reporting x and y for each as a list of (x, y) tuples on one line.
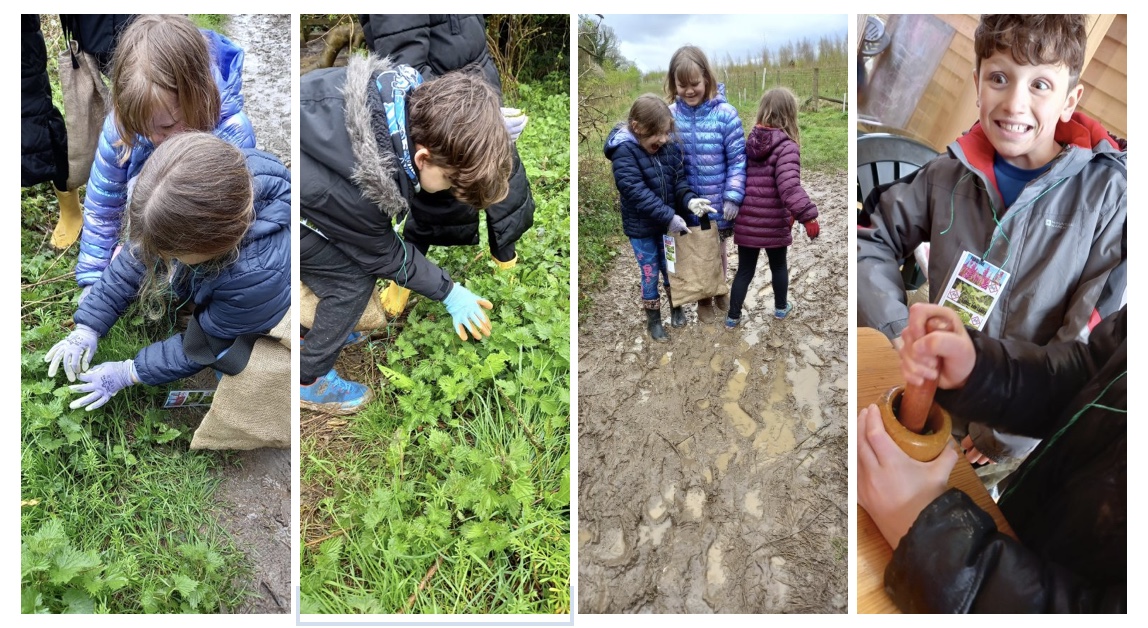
[(677, 316), (654, 323)]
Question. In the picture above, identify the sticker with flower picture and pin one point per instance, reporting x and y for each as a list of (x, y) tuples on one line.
[(973, 289)]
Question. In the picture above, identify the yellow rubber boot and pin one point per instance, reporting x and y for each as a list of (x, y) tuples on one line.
[(71, 219), (394, 299), (506, 265)]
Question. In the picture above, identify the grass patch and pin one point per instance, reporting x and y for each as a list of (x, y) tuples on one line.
[(450, 493), (115, 513), (210, 21)]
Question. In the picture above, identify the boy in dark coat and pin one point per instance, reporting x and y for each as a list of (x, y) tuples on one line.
[(435, 45), (373, 135)]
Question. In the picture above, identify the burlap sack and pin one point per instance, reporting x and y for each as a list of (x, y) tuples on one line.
[(85, 106), (373, 317), (253, 409), (697, 270)]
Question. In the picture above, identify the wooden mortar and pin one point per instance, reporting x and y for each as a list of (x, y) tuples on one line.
[(923, 447)]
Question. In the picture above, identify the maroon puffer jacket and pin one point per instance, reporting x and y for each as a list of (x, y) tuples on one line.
[(773, 191)]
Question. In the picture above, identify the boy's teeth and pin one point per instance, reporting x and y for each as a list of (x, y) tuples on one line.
[(1015, 128)]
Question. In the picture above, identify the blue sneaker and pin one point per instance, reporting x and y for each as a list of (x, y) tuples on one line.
[(731, 323), (780, 314), (334, 395)]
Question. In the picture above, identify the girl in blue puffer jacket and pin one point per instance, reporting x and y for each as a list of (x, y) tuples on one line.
[(713, 142), (654, 196), (168, 77), (207, 224)]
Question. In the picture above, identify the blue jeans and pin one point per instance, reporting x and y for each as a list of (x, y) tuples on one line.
[(651, 256)]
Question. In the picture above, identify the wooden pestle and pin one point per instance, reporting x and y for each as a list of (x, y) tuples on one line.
[(918, 398)]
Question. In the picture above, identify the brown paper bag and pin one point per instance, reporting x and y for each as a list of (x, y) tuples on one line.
[(85, 106), (253, 409), (696, 261), (373, 317)]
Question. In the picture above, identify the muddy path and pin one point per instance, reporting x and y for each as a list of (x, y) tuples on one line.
[(713, 468), (254, 494)]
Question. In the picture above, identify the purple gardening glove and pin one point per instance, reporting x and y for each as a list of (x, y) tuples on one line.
[(76, 352), (103, 382), (677, 225), (729, 210)]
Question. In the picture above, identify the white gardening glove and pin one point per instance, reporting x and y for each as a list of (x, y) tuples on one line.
[(677, 225), (515, 121), (700, 206)]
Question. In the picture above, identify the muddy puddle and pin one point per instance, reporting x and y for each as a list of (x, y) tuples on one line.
[(712, 468)]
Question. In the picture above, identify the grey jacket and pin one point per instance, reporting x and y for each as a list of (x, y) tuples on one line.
[(1060, 240), (352, 186)]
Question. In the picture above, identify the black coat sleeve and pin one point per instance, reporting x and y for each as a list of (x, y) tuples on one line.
[(954, 560), (1021, 387)]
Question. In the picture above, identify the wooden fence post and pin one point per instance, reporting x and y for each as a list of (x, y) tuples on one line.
[(816, 99)]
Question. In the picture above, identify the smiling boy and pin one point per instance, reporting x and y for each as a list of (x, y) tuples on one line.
[(1034, 188)]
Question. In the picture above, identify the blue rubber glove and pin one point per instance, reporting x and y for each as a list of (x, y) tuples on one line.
[(466, 309), (103, 382), (729, 210), (75, 352), (515, 122), (677, 226)]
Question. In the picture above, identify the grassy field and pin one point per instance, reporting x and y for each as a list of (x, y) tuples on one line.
[(115, 514), (450, 493), (606, 100)]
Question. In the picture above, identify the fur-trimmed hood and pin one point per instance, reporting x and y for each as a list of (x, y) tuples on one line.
[(376, 164)]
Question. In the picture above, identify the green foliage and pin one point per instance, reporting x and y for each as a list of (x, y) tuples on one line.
[(465, 457), (117, 516), (210, 21)]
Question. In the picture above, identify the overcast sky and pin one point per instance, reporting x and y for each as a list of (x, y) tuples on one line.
[(650, 40)]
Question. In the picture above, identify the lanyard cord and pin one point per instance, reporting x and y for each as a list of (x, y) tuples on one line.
[(999, 231), (1061, 431)]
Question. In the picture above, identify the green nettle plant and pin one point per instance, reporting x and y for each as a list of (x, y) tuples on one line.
[(459, 500)]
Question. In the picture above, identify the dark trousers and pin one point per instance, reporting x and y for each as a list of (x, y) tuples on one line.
[(747, 265), (344, 291)]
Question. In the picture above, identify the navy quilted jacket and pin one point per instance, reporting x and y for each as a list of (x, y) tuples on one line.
[(713, 142), (106, 192), (652, 187), (773, 193), (250, 295)]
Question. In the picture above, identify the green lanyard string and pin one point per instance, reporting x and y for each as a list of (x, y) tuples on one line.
[(1032, 463), (999, 231)]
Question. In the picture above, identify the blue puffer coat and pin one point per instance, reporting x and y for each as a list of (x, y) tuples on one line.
[(652, 187), (714, 145), (107, 184), (250, 295)]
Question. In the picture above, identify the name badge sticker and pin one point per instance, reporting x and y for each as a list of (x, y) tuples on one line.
[(973, 290)]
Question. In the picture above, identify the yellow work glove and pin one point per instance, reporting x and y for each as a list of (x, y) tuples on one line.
[(394, 299)]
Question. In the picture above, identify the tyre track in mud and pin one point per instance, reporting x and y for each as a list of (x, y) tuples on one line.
[(712, 468)]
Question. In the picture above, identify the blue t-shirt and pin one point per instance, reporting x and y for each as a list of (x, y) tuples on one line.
[(1011, 180)]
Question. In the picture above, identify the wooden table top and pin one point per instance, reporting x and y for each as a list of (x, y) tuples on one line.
[(878, 369)]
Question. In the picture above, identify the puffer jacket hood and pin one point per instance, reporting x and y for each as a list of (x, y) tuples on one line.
[(762, 141), (227, 72)]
